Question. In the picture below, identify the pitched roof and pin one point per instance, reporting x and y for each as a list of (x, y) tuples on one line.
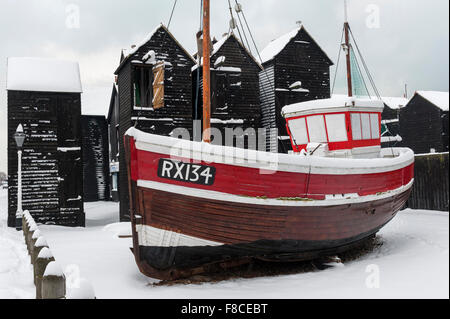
[(439, 99), (277, 45), (147, 39), (111, 102), (43, 75), (219, 44)]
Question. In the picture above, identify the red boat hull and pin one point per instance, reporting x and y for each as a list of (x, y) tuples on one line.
[(180, 228)]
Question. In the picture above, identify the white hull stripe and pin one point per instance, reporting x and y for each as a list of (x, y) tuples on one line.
[(269, 162), (155, 237), (330, 201)]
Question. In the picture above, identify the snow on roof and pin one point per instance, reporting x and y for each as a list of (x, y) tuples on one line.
[(277, 45), (335, 102), (395, 102), (440, 99), (128, 54), (43, 75), (392, 102)]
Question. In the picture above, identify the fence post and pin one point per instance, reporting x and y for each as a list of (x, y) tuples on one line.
[(44, 257), (38, 245), (53, 282), (32, 228)]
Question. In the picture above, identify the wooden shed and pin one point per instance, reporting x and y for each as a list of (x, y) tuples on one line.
[(235, 101), (424, 122), (296, 69), (114, 141), (94, 130), (155, 92), (44, 96)]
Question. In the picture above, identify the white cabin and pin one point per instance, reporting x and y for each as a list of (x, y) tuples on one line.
[(336, 127)]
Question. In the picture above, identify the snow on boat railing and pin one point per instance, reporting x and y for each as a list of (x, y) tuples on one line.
[(390, 158), (49, 277)]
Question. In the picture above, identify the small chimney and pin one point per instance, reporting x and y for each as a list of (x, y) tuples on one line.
[(214, 40), (133, 46)]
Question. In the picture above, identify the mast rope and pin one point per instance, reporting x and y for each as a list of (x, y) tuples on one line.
[(369, 75), (264, 89), (199, 59), (358, 77), (338, 60), (232, 18)]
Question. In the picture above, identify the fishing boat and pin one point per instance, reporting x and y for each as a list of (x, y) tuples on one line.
[(197, 207)]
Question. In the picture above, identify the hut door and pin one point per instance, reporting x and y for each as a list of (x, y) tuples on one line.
[(158, 86)]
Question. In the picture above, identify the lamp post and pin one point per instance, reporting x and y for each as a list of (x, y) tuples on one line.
[(19, 137)]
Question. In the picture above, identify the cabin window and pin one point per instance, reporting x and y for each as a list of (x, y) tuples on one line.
[(316, 129), (142, 86), (356, 126), (298, 131), (375, 126), (365, 124), (336, 127)]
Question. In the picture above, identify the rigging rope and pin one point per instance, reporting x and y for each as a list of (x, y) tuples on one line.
[(262, 87), (369, 75), (338, 60), (240, 22), (199, 59), (357, 76)]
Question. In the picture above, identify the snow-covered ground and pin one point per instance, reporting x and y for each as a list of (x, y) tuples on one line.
[(413, 262), (16, 273)]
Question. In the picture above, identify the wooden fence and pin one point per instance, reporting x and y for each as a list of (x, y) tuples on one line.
[(430, 190), (49, 277)]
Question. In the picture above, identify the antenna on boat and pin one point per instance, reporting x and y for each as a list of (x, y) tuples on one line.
[(206, 74), (347, 50)]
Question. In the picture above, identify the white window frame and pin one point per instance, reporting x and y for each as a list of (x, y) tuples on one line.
[(336, 126), (299, 140), (312, 137)]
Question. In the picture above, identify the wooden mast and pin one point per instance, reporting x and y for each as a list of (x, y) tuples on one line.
[(347, 52), (206, 75)]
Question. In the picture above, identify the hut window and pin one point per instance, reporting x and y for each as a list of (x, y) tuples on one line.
[(142, 87), (356, 126), (158, 86), (298, 131), (336, 127), (316, 128)]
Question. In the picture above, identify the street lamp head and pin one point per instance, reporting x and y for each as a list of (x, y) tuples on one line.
[(19, 136)]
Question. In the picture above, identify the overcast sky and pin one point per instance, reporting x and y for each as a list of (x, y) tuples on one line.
[(403, 41)]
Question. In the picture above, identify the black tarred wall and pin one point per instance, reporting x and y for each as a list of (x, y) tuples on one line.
[(52, 167), (424, 126), (177, 110), (95, 158)]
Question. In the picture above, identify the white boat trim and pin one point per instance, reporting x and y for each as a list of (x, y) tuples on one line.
[(268, 163), (331, 199), (154, 237)]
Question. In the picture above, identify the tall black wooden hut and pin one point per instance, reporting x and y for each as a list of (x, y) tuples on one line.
[(424, 122), (296, 69), (94, 130), (234, 90), (44, 96), (155, 95), (114, 140)]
